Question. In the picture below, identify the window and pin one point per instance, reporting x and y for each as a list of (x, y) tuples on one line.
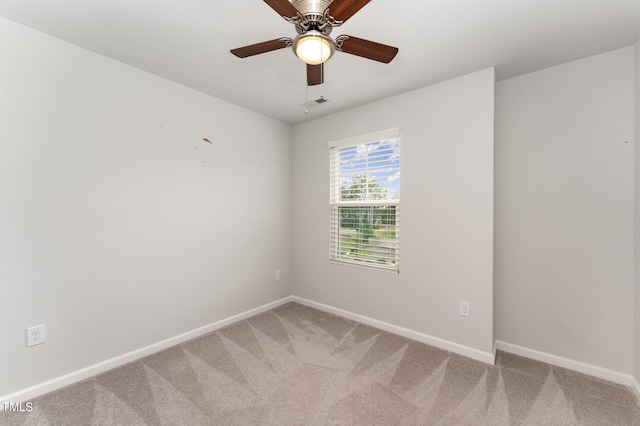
[(365, 200)]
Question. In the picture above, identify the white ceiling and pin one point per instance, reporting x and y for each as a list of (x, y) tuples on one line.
[(188, 41)]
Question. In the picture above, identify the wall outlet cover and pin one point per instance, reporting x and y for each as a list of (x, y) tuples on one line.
[(35, 335), (465, 308)]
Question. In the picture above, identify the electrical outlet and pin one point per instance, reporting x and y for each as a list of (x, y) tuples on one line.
[(278, 274), (35, 335), (465, 308)]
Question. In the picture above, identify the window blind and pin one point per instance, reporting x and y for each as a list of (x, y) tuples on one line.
[(365, 200)]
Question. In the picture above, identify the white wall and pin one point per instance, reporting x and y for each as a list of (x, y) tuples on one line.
[(564, 210), (446, 213), (637, 213), (119, 225)]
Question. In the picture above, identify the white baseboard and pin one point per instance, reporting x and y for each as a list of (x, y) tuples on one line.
[(486, 357), (569, 364), (101, 367)]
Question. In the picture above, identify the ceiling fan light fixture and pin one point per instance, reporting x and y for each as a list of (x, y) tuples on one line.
[(313, 47)]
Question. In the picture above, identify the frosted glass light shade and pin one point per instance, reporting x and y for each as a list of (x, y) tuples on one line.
[(313, 48)]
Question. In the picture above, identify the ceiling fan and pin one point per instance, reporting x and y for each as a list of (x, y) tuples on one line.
[(314, 20)]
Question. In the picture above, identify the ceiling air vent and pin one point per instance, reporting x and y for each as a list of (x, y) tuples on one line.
[(314, 103)]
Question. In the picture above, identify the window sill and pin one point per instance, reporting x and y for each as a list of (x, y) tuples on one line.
[(364, 266)]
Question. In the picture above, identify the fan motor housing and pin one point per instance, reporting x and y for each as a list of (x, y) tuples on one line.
[(315, 7), (313, 15)]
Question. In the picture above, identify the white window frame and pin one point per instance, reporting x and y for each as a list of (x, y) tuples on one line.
[(336, 254)]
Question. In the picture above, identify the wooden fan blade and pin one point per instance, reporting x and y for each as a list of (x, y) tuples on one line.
[(315, 74), (341, 10), (283, 7), (256, 49), (368, 49)]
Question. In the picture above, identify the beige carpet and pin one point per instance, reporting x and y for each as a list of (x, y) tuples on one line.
[(299, 366)]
